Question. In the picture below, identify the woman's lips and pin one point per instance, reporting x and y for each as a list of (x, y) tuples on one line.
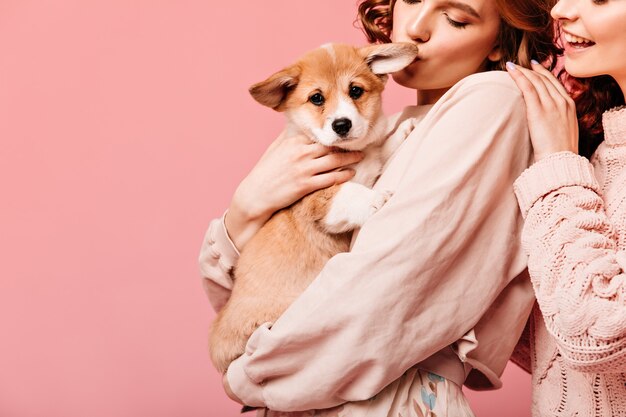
[(571, 38), (574, 43)]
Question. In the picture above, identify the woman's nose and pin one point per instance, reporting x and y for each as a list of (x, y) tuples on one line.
[(565, 10), (418, 26)]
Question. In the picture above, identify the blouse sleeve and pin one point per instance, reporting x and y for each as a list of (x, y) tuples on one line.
[(521, 353), (218, 255), (574, 262), (421, 273)]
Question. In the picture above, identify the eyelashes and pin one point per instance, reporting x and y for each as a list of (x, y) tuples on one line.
[(456, 24), (452, 22)]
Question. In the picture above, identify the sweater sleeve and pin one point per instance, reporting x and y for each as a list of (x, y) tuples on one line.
[(218, 255), (576, 268), (422, 271)]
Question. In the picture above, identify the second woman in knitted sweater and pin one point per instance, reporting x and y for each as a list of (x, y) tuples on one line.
[(575, 230)]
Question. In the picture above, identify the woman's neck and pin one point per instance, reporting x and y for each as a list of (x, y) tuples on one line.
[(430, 96)]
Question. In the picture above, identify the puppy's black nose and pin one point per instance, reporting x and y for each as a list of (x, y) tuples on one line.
[(342, 126)]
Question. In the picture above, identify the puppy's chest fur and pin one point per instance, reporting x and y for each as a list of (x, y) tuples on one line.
[(369, 168)]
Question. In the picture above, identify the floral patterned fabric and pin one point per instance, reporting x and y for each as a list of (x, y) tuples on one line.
[(417, 393)]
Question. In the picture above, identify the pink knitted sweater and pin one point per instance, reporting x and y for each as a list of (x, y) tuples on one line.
[(575, 235)]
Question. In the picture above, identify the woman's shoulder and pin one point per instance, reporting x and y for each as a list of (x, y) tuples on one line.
[(497, 86), (486, 106), (489, 79), (482, 96)]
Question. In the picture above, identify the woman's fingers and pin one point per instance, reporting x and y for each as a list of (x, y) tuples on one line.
[(294, 166), (526, 86), (547, 94), (334, 161), (559, 93), (317, 158), (552, 97), (317, 150), (551, 114), (306, 148), (540, 93), (550, 77), (330, 178)]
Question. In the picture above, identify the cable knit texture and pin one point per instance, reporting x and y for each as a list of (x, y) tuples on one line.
[(575, 235)]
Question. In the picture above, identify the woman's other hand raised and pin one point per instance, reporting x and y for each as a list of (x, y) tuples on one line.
[(550, 110), (291, 168)]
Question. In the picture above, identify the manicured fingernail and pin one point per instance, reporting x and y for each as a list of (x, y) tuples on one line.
[(511, 66), (532, 61)]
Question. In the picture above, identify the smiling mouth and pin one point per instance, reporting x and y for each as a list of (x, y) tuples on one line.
[(577, 42)]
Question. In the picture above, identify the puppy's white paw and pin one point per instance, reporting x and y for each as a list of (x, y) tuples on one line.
[(352, 206), (379, 200)]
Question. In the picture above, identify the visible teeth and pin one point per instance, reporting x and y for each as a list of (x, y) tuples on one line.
[(575, 39)]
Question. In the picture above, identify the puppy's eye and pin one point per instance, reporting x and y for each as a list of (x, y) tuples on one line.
[(317, 99), (355, 92)]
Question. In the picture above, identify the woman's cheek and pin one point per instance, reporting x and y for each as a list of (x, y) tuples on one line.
[(461, 50), (448, 51)]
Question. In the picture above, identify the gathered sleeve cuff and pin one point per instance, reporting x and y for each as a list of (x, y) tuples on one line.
[(241, 383), (558, 170), (218, 255)]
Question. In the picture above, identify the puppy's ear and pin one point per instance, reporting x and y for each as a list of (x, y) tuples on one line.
[(273, 91), (389, 57)]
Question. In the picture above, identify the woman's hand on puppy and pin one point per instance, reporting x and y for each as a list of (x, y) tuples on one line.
[(291, 168), (550, 110)]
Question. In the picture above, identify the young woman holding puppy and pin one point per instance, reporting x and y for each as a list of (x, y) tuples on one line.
[(418, 306), (575, 231)]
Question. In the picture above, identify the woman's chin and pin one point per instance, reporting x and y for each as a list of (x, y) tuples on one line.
[(421, 83), (577, 70), (404, 78)]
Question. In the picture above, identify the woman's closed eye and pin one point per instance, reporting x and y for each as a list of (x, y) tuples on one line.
[(452, 22), (455, 23)]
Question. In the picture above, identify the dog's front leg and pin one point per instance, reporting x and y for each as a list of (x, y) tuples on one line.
[(351, 206), (393, 142)]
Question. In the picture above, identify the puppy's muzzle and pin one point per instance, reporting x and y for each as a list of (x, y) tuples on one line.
[(342, 126)]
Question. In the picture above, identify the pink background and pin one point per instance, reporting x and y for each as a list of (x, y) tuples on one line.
[(125, 126)]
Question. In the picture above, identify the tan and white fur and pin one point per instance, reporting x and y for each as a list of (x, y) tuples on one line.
[(288, 252)]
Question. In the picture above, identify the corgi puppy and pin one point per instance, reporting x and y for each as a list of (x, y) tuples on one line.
[(332, 95)]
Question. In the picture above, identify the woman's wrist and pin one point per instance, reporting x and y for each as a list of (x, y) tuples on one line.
[(242, 221), (543, 155)]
